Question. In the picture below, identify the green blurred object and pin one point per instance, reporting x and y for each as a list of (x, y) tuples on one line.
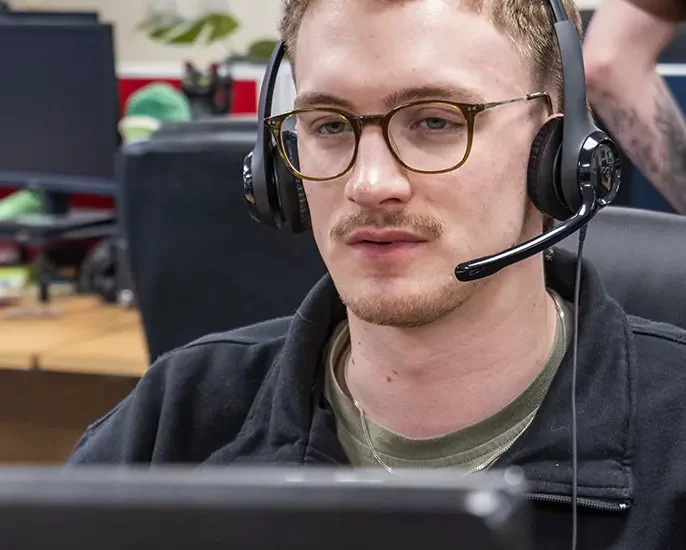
[(20, 203), (178, 31), (160, 101), (148, 108), (13, 283), (261, 49), (158, 25), (173, 29), (159, 19)]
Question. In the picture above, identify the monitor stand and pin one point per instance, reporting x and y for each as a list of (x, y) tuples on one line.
[(55, 203), (58, 223)]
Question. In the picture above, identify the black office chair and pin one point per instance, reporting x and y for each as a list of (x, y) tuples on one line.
[(641, 257), (199, 264), (208, 125)]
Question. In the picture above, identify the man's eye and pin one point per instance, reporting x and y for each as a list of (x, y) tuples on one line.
[(435, 123), (332, 128)]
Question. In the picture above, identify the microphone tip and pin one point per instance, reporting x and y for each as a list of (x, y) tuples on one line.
[(465, 273)]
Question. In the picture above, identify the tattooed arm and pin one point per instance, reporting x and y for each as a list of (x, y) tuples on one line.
[(621, 49)]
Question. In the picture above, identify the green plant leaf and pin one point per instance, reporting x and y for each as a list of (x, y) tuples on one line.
[(261, 49), (175, 30), (222, 25), (155, 20), (161, 33), (188, 33)]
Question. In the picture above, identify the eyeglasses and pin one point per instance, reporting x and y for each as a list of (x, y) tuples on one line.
[(428, 137)]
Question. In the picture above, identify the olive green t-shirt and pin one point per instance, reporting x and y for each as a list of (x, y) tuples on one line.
[(472, 448)]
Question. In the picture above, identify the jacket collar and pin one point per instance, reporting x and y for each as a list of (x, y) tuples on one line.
[(605, 392), (605, 400)]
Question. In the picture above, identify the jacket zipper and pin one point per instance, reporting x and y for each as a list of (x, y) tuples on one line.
[(558, 499), (582, 502)]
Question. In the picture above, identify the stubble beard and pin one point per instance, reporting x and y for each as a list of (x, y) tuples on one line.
[(378, 302)]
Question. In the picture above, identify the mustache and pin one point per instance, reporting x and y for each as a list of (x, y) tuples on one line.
[(425, 225)]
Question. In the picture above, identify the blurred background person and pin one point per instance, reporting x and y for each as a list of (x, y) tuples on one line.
[(621, 49)]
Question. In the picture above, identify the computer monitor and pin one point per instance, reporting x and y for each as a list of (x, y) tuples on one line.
[(40, 16), (58, 105), (261, 508)]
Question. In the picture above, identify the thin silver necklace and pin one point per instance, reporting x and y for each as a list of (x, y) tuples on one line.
[(492, 459)]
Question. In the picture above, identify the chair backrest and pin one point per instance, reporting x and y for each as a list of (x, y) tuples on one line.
[(199, 263), (209, 125), (641, 257)]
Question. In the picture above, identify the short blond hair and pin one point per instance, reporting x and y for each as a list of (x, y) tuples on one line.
[(528, 23)]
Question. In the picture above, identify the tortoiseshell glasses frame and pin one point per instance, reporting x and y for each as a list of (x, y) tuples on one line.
[(469, 111)]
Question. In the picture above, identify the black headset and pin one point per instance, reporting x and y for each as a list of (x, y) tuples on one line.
[(574, 167)]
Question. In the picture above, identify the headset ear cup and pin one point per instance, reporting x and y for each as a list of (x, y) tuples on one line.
[(292, 198), (259, 189), (305, 222), (543, 173), (291, 191)]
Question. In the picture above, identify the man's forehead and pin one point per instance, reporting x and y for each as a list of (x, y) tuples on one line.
[(395, 51), (382, 20)]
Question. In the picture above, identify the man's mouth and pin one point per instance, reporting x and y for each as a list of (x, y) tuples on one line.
[(384, 237), (384, 244)]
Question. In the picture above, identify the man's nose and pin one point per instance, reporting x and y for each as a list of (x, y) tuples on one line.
[(377, 179)]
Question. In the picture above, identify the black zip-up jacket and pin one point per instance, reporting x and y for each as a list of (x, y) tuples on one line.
[(254, 395)]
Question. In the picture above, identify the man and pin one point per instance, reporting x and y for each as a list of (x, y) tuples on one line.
[(391, 362), (621, 49)]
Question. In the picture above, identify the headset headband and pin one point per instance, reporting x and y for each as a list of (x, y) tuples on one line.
[(578, 125), (262, 199)]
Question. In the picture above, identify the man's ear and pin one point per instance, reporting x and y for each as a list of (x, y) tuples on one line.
[(553, 116)]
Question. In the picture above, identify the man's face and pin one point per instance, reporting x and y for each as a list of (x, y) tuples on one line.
[(369, 56)]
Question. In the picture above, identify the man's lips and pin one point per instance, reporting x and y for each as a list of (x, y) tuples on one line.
[(384, 244), (383, 236)]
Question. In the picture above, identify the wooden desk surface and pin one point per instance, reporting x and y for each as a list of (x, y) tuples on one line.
[(89, 337), (121, 352)]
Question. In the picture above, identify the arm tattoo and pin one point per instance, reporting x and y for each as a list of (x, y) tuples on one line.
[(671, 126), (657, 147)]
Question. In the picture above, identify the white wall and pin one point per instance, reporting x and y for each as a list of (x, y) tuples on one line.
[(259, 19)]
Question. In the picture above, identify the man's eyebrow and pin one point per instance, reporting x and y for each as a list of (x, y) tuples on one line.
[(444, 92), (317, 99), (406, 95)]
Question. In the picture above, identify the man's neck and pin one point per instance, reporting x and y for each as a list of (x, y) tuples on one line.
[(428, 381)]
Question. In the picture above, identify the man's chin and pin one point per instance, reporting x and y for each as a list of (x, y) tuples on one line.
[(402, 305)]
